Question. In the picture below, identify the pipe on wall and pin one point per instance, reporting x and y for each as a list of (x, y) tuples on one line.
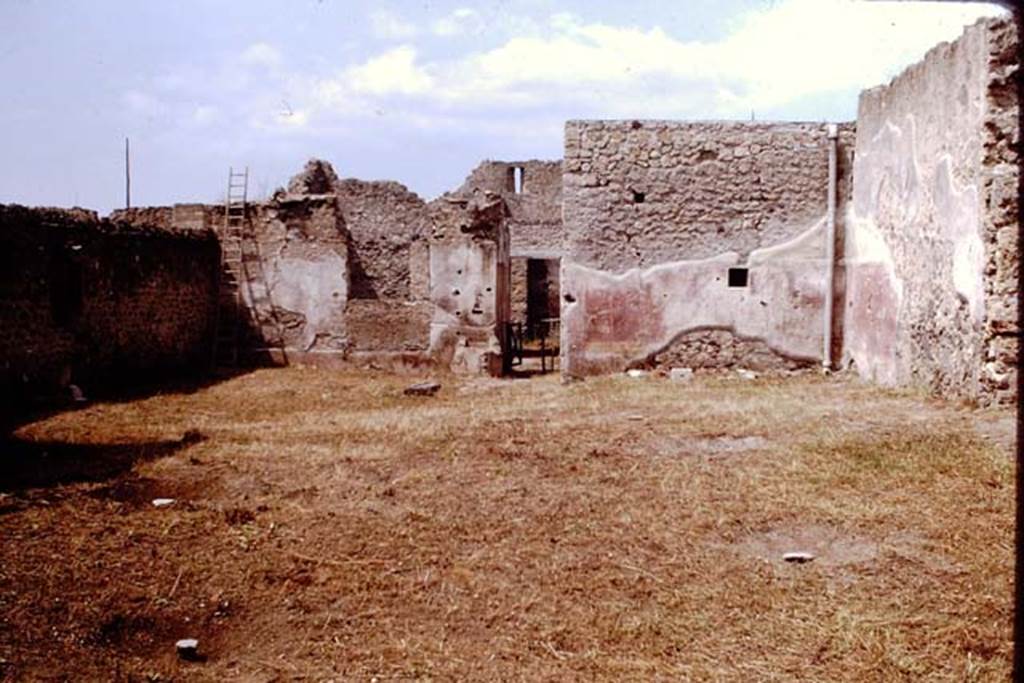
[(830, 248)]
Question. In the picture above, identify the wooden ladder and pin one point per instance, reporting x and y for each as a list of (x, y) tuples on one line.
[(230, 304)]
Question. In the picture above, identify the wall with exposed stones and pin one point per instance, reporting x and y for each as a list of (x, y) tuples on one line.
[(931, 256), (331, 270), (657, 212), (99, 303), (532, 191)]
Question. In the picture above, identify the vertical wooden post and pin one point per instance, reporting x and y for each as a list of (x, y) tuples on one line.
[(127, 178)]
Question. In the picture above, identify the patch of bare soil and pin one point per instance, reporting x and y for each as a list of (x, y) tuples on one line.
[(323, 526)]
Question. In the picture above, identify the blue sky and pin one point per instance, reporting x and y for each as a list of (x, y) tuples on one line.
[(415, 91)]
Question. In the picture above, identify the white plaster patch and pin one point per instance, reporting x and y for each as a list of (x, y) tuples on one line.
[(958, 213), (316, 288), (807, 246)]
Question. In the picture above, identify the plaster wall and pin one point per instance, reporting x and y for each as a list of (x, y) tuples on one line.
[(470, 281), (657, 212), (929, 257)]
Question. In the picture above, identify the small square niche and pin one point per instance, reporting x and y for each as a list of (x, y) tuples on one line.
[(739, 277)]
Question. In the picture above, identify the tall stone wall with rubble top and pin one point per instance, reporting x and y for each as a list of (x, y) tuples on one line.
[(931, 251), (101, 304), (656, 214)]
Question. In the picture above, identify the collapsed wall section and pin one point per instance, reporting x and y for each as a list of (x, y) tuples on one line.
[(99, 304), (677, 233), (931, 248)]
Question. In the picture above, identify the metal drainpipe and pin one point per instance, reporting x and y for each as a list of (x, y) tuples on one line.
[(830, 248)]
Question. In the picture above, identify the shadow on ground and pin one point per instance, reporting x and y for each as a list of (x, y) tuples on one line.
[(26, 464)]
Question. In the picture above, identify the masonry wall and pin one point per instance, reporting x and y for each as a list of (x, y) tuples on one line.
[(332, 270), (99, 304), (931, 249), (534, 215), (657, 212), (388, 309)]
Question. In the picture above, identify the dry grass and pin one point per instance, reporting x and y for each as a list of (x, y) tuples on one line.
[(329, 527)]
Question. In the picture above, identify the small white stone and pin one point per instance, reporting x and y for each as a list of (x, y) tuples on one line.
[(798, 557), (680, 374), (188, 649), (636, 374), (162, 502), (746, 374)]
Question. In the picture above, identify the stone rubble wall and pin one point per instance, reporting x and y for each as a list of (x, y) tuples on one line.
[(99, 303), (930, 250), (657, 212), (534, 215)]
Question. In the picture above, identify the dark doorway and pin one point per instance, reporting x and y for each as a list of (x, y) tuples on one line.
[(534, 330)]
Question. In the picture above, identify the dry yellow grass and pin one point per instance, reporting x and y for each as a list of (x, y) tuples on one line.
[(328, 527)]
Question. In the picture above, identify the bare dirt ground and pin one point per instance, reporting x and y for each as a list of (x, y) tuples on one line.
[(326, 527)]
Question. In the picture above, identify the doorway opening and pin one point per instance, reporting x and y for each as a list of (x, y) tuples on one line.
[(534, 328)]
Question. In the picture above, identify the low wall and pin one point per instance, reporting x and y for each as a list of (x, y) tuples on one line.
[(99, 304)]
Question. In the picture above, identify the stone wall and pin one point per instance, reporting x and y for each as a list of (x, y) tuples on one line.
[(99, 304), (931, 248), (470, 282), (657, 213), (534, 206), (532, 191), (332, 270)]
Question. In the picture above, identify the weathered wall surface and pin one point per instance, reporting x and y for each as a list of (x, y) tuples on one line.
[(99, 303), (469, 282), (657, 212), (611, 321), (535, 211), (532, 191), (384, 222), (331, 270), (930, 252), (295, 274)]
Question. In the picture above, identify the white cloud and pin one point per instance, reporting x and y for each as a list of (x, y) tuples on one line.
[(461, 21), (771, 58), (394, 72), (389, 25)]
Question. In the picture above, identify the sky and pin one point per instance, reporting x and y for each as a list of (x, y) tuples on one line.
[(418, 91)]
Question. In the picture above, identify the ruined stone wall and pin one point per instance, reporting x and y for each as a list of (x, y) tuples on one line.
[(656, 213), (534, 214), (930, 251), (99, 304), (469, 282), (388, 227), (535, 211), (332, 271)]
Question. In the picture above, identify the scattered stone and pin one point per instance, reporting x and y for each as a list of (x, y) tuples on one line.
[(162, 502), (188, 649), (423, 389), (746, 374), (76, 393), (798, 557), (680, 374), (636, 374)]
